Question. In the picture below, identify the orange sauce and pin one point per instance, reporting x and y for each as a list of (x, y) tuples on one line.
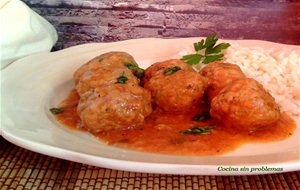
[(160, 132)]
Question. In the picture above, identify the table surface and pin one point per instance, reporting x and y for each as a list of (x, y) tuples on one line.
[(79, 22)]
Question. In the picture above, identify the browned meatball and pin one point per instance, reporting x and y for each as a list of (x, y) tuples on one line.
[(246, 105), (219, 74), (103, 76), (160, 67), (107, 60), (114, 106), (179, 91)]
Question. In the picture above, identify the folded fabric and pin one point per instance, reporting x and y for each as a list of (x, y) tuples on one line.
[(22, 32)]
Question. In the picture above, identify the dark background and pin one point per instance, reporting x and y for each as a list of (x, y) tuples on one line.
[(79, 22)]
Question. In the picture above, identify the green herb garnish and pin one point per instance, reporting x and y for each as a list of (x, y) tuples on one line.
[(206, 51), (172, 70), (201, 117), (56, 111), (196, 130), (192, 59), (138, 72), (122, 79)]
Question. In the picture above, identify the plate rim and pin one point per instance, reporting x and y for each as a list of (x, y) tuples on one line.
[(27, 144), (148, 167)]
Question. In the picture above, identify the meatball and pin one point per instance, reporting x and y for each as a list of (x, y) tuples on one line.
[(219, 74), (114, 106), (107, 60), (179, 91), (246, 105), (159, 67), (103, 76)]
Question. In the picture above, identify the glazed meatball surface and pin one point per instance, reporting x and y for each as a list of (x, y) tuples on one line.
[(160, 67), (179, 91), (103, 76), (110, 95), (219, 74), (107, 60), (114, 106), (246, 105)]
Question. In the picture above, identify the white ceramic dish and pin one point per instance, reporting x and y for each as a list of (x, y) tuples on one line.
[(34, 84)]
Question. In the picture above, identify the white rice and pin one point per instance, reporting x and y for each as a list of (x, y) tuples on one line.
[(277, 71)]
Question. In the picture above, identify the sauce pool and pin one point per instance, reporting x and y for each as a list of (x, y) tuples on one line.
[(161, 132)]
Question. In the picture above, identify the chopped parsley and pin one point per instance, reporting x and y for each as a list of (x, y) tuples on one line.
[(138, 72), (201, 117), (122, 79), (172, 70), (56, 111), (196, 130), (206, 51)]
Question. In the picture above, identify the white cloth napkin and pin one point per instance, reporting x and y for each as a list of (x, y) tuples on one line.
[(22, 32)]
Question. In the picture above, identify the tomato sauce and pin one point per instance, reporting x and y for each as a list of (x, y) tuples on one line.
[(162, 132)]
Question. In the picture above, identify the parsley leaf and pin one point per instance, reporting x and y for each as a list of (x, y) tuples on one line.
[(210, 41), (206, 51), (217, 49), (212, 58), (196, 130), (199, 45), (138, 72), (192, 59), (172, 70), (56, 111), (122, 79), (201, 117)]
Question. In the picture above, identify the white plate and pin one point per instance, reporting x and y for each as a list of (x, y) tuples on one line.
[(34, 84)]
